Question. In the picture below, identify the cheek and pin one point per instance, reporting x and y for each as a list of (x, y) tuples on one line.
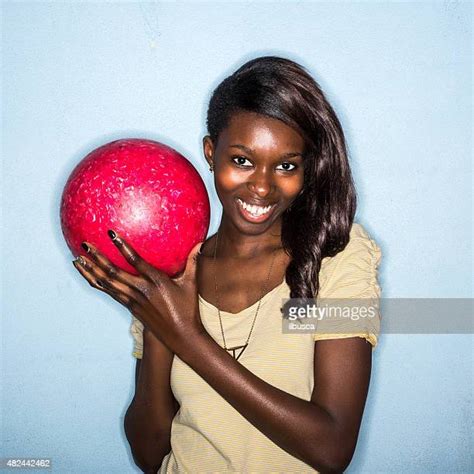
[(229, 179), (290, 188)]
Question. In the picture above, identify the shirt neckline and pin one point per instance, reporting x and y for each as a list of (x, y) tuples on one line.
[(249, 308)]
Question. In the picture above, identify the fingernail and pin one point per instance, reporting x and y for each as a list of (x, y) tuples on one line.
[(99, 283), (86, 247), (112, 234)]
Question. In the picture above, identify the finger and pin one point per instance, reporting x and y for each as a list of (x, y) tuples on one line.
[(108, 268), (102, 280), (120, 298), (84, 270), (131, 255), (98, 279), (189, 272)]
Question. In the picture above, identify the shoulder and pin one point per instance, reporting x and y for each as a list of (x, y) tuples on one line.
[(360, 245), (207, 248), (353, 271), (358, 232), (360, 248)]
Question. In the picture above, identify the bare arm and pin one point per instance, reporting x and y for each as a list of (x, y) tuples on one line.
[(321, 432), (149, 416)]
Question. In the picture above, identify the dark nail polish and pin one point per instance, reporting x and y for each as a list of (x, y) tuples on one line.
[(99, 283), (112, 234), (86, 247)]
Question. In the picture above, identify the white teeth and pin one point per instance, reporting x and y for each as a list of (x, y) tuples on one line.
[(255, 210)]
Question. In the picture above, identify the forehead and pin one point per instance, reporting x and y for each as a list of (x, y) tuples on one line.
[(259, 131)]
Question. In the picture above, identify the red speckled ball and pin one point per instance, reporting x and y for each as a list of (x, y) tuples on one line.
[(147, 192)]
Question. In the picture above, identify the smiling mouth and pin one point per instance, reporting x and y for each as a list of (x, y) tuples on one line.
[(254, 213)]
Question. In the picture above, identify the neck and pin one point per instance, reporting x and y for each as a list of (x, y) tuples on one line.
[(235, 244)]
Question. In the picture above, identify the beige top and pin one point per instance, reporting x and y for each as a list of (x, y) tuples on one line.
[(208, 435)]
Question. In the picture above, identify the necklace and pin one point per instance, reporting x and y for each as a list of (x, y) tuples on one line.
[(237, 351)]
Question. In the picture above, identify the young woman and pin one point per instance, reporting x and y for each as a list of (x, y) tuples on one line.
[(220, 387)]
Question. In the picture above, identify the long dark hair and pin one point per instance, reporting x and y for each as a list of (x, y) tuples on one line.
[(318, 223)]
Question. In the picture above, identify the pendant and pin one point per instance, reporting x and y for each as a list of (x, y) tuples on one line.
[(234, 349)]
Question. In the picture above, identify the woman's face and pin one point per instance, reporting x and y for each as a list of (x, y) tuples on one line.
[(258, 169)]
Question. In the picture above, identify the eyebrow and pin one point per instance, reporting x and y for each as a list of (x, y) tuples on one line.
[(250, 152)]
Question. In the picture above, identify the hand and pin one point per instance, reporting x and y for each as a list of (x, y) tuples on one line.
[(168, 307)]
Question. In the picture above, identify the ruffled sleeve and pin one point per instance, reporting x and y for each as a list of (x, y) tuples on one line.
[(352, 275), (136, 329)]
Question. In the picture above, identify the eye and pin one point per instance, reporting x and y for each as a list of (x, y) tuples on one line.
[(286, 166), (241, 162)]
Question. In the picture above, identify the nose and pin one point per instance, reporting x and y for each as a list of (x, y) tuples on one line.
[(261, 182)]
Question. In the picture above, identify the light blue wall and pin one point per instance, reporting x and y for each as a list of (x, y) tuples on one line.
[(76, 75)]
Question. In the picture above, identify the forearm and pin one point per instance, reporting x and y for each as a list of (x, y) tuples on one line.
[(300, 427), (148, 419)]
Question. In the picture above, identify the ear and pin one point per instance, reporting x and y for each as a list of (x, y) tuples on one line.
[(208, 149)]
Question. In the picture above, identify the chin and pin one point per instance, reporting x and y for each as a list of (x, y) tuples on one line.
[(251, 228)]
